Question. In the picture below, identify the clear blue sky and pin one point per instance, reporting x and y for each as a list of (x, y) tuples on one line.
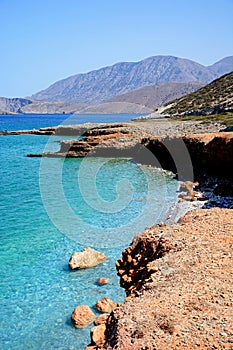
[(43, 41)]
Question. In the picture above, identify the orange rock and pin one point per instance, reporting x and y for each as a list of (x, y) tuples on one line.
[(102, 280), (82, 316), (105, 305), (98, 334)]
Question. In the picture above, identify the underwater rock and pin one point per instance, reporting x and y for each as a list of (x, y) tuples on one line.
[(88, 257)]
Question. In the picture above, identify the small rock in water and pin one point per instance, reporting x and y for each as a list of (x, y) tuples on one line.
[(102, 280), (82, 316), (88, 257), (105, 305)]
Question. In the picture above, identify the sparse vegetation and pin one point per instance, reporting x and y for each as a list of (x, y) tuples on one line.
[(214, 98), (226, 118)]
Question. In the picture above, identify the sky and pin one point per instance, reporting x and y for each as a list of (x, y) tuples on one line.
[(43, 41)]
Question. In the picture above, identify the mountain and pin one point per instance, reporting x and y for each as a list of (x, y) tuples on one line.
[(156, 95), (116, 107), (51, 107), (214, 98), (223, 66), (13, 105), (144, 100), (101, 85)]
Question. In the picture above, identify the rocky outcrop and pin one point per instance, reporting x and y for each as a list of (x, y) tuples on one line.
[(178, 281), (82, 316), (88, 257), (134, 266), (212, 153), (209, 152)]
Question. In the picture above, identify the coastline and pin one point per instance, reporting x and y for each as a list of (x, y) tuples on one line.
[(164, 272), (126, 328), (181, 280), (123, 318)]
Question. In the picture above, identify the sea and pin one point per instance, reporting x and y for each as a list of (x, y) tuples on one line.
[(53, 207)]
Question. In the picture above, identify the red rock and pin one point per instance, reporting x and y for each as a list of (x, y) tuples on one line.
[(105, 305), (82, 316), (88, 257)]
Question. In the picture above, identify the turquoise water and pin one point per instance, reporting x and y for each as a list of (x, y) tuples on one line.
[(49, 210)]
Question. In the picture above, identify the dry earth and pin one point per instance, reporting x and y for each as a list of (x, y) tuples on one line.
[(186, 300)]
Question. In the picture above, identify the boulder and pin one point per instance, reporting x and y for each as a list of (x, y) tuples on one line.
[(82, 316), (102, 280), (101, 319), (98, 334), (105, 305), (88, 257)]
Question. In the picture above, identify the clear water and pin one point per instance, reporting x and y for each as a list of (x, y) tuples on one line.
[(30, 121), (39, 231)]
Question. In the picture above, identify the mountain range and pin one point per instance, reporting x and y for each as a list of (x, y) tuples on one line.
[(103, 84), (127, 87)]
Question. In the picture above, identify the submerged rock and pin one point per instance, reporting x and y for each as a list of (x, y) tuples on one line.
[(88, 257), (105, 305), (82, 316), (102, 280)]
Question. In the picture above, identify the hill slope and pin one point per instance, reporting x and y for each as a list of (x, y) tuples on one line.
[(144, 100), (156, 95), (214, 98), (101, 85)]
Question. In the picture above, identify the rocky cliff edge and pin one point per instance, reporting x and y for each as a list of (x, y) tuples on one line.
[(178, 279)]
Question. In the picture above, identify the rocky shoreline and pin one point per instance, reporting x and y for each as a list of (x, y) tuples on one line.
[(178, 284), (177, 275), (169, 145)]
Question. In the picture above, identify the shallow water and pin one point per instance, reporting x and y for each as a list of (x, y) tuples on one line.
[(37, 290)]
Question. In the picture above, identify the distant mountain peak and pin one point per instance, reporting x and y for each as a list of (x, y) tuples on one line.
[(103, 84)]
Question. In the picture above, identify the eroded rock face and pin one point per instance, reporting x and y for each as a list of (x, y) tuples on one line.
[(88, 257), (134, 266), (105, 305), (82, 316)]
